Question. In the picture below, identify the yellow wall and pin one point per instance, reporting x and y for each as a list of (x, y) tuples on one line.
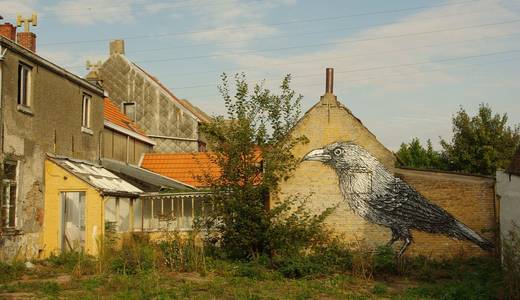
[(59, 180)]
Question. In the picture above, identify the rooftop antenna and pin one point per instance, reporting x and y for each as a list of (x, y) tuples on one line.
[(33, 20), (93, 65)]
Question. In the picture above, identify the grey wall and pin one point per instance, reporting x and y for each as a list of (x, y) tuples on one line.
[(54, 126), (508, 193)]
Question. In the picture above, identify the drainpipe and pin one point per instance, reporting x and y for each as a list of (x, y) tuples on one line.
[(2, 57)]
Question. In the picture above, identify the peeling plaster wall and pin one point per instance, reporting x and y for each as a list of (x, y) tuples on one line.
[(157, 112), (52, 126)]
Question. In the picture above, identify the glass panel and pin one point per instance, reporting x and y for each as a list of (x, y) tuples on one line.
[(10, 170), (124, 214), (177, 208), (147, 214), (187, 210), (138, 221), (12, 205), (74, 220), (198, 206), (110, 214), (167, 209)]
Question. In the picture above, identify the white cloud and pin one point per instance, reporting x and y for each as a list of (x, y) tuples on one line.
[(357, 60), (88, 12), (235, 21), (10, 9)]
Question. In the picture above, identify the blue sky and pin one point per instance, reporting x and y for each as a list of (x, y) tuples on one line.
[(402, 67)]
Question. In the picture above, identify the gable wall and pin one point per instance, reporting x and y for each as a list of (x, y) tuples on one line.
[(156, 112), (470, 198)]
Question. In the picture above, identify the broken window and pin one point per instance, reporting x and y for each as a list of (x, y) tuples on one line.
[(119, 212), (85, 119), (170, 213), (8, 201), (129, 110), (24, 85)]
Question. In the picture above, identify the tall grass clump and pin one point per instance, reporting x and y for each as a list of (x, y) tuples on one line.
[(511, 263), (183, 251)]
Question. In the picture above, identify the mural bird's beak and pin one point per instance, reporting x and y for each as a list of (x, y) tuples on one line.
[(317, 155)]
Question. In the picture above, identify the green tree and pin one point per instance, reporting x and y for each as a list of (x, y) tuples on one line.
[(415, 155), (252, 148), (482, 143)]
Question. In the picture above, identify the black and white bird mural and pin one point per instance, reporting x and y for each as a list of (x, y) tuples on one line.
[(373, 193)]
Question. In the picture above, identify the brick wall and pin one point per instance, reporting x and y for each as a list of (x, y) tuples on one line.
[(469, 198)]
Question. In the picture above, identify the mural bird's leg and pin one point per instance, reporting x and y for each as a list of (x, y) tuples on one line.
[(395, 237), (407, 242)]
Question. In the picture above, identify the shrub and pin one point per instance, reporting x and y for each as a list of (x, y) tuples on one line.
[(384, 260), (137, 255)]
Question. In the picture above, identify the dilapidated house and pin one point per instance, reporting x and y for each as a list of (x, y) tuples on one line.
[(44, 109), (172, 123)]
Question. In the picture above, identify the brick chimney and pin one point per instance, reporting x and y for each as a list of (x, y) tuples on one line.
[(27, 40), (8, 30), (117, 47)]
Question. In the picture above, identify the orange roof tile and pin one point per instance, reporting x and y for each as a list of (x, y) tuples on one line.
[(184, 167), (114, 115)]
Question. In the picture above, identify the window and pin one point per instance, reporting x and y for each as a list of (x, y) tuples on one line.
[(119, 213), (8, 201), (24, 85), (85, 119), (124, 214), (129, 110)]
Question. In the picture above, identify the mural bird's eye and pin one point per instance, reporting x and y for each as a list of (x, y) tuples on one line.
[(338, 151)]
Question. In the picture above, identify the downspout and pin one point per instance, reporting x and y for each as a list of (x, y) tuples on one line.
[(2, 57)]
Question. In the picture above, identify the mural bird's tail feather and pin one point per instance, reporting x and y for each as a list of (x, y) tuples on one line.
[(463, 232)]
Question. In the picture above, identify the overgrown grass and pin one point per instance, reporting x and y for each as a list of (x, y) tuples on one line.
[(177, 267)]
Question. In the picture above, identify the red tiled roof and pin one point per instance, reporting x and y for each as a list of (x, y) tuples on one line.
[(115, 116), (184, 167), (203, 117)]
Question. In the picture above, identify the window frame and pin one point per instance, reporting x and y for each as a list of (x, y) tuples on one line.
[(24, 86), (8, 218), (126, 104), (86, 107)]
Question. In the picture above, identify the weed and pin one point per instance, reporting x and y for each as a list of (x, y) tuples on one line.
[(50, 288), (384, 260), (379, 289), (11, 271), (511, 263)]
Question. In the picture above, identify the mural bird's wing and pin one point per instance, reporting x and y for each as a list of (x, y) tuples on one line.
[(403, 204)]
